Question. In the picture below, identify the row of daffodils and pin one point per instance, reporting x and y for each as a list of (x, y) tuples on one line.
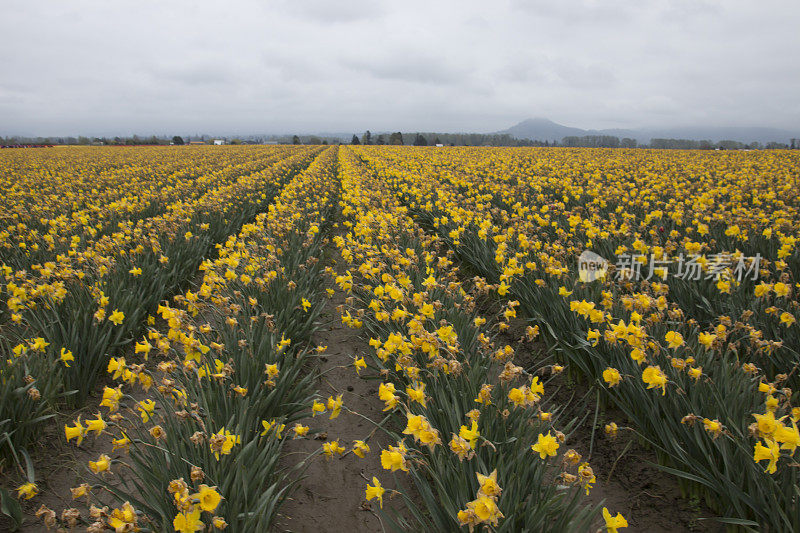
[(692, 329), (57, 201), (473, 430), (198, 421)]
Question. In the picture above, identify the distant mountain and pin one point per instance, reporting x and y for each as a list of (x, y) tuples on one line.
[(542, 129)]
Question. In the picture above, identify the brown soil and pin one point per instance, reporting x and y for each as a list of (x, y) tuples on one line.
[(331, 495)]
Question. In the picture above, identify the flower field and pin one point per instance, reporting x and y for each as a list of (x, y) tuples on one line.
[(183, 290)]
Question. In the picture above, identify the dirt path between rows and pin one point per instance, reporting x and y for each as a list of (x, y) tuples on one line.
[(331, 495)]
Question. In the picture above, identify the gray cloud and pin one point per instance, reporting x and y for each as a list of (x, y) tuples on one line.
[(255, 66), (409, 67), (332, 12)]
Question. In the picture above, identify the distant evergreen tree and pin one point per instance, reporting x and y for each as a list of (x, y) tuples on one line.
[(396, 138), (355, 140), (366, 138), (419, 140), (177, 140), (295, 140)]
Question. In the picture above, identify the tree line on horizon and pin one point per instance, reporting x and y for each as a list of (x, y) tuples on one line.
[(398, 138)]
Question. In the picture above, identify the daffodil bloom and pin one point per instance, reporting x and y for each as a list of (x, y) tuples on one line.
[(695, 372), (143, 347), (393, 459), (271, 370), (571, 457), (335, 405), (122, 443), (78, 431), (97, 425), (123, 518), (116, 366), (39, 344), (223, 441), (360, 448), (80, 491), (330, 448), (485, 510), (613, 523), (762, 289), (485, 394), (518, 396), (612, 376), (300, 430), (470, 435), (317, 407), (706, 339), (427, 310), (586, 476), (770, 452), (488, 484), (781, 289), (654, 377), (272, 424), (386, 392), (546, 445), (188, 522), (27, 491), (66, 357), (461, 448), (117, 317), (208, 498), (157, 432), (766, 423), (375, 491), (146, 409), (111, 398), (284, 343), (102, 464), (416, 393), (360, 364), (788, 437), (674, 339), (713, 426)]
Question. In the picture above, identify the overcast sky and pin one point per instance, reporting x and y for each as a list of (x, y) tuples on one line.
[(113, 67)]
